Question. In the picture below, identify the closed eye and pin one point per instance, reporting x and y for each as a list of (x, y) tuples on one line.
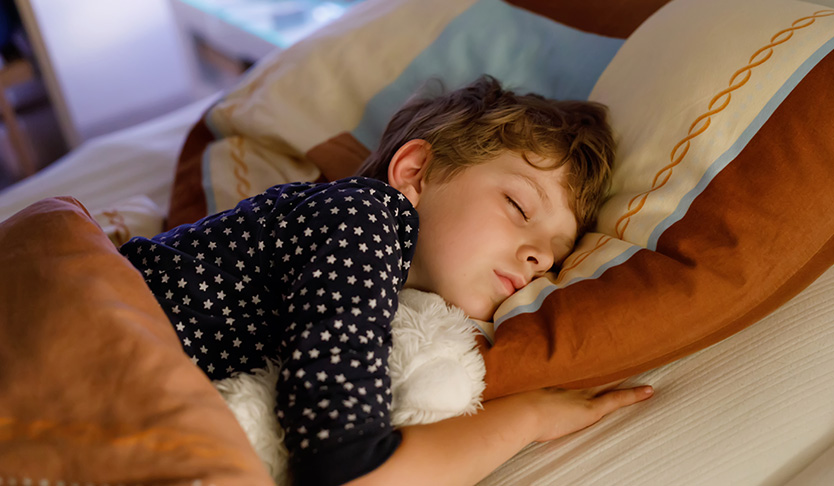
[(518, 207)]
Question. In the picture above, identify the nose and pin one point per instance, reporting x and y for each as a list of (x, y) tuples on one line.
[(539, 256)]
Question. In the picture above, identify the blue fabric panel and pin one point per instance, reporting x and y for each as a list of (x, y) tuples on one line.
[(525, 51)]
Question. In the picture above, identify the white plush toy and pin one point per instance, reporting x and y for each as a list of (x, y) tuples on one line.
[(436, 373)]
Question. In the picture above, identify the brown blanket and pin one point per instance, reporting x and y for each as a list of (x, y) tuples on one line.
[(94, 387)]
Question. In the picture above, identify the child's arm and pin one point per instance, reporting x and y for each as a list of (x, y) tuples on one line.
[(463, 450)]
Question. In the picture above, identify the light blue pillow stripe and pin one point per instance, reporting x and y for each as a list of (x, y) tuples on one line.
[(523, 50), (481, 330), (748, 134), (537, 303)]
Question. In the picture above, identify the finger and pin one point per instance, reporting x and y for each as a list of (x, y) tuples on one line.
[(598, 390), (616, 399)]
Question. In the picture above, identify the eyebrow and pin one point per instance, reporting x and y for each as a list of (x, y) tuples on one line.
[(538, 188), (570, 243)]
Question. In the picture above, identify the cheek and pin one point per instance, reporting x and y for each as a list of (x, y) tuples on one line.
[(458, 246), (468, 238), (444, 246), (441, 249)]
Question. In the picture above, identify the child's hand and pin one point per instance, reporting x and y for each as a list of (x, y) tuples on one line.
[(560, 412), (466, 448)]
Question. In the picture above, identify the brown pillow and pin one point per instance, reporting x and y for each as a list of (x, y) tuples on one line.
[(95, 387), (721, 208)]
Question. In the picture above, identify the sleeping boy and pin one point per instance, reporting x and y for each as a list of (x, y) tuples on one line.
[(498, 185)]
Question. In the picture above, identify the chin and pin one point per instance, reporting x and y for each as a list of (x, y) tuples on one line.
[(477, 308), (481, 312)]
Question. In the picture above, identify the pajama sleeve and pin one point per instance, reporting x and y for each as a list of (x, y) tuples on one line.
[(341, 265)]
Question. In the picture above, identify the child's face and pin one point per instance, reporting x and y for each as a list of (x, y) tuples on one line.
[(476, 247)]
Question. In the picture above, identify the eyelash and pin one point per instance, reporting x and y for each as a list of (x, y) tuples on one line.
[(518, 207)]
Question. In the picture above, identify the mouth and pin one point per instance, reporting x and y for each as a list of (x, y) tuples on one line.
[(509, 284)]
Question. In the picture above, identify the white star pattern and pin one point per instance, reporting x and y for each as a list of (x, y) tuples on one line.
[(307, 281)]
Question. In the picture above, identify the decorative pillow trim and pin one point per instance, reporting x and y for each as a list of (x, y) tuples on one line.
[(120, 233), (242, 187), (135, 216), (716, 105), (486, 330)]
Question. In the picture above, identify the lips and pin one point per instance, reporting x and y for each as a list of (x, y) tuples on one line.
[(510, 283)]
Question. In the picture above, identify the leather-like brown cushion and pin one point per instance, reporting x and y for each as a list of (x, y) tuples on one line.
[(95, 387)]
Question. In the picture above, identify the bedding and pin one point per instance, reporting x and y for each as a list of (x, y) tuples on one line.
[(705, 426), (105, 173), (329, 105), (96, 389), (135, 216), (722, 110), (709, 225), (753, 409)]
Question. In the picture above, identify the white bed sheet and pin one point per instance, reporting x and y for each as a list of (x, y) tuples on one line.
[(106, 170), (818, 473)]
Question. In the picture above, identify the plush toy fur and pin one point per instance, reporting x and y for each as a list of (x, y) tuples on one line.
[(435, 368)]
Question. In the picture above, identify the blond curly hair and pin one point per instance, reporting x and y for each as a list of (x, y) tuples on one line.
[(478, 122)]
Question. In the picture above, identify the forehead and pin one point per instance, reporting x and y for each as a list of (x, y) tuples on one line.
[(538, 172), (531, 164)]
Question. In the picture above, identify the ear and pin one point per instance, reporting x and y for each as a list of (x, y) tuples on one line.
[(407, 169)]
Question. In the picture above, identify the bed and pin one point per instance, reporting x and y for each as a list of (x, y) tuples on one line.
[(752, 407), (137, 161)]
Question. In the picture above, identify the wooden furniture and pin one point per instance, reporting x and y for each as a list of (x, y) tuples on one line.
[(11, 74)]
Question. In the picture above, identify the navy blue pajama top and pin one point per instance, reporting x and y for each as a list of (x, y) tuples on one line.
[(306, 274)]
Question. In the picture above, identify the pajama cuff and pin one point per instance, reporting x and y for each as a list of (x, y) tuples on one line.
[(345, 462)]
